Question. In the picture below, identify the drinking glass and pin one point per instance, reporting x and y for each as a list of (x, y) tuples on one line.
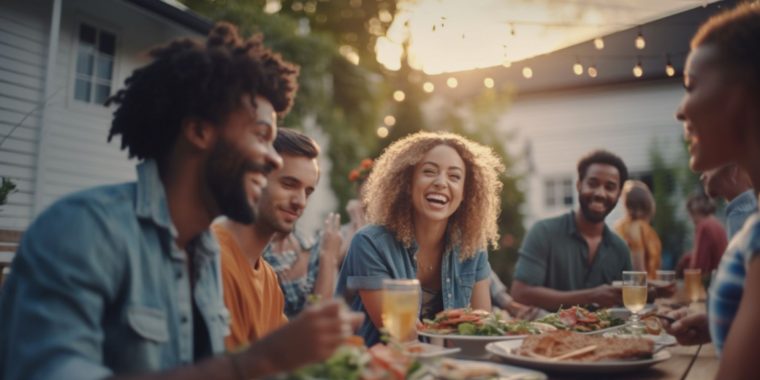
[(668, 276), (692, 279), (401, 305), (635, 295)]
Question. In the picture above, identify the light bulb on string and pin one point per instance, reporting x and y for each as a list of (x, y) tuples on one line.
[(669, 69), (640, 42), (577, 67), (488, 82), (638, 70), (389, 120), (527, 72), (399, 96), (428, 87), (452, 82), (592, 72), (599, 43), (382, 132)]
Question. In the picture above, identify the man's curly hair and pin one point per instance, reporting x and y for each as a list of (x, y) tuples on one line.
[(388, 199), (188, 79)]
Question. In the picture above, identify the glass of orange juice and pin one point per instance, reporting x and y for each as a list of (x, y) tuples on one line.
[(692, 279), (401, 307), (635, 295)]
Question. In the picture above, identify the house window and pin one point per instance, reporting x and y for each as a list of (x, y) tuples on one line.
[(558, 192), (95, 63)]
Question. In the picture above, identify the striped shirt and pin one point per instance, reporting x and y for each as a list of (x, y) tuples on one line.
[(727, 288)]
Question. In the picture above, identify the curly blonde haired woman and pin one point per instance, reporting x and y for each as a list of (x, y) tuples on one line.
[(634, 228), (432, 200)]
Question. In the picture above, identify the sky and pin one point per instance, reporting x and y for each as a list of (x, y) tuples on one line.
[(456, 35)]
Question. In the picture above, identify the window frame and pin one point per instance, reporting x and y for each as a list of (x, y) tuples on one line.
[(561, 186), (90, 107)]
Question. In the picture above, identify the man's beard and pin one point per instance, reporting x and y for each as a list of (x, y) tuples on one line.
[(225, 173), (593, 216)]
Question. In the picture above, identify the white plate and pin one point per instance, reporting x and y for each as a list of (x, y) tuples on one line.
[(427, 350), (504, 350), (659, 340), (472, 346), (505, 371)]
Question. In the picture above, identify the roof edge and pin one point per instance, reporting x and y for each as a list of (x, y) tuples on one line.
[(184, 17)]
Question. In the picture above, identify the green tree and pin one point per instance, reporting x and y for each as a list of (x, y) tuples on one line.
[(670, 184), (344, 99)]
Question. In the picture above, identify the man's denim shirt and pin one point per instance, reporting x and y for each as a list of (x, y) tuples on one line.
[(375, 254), (98, 287)]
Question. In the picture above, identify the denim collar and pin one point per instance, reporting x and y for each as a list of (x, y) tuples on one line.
[(151, 204), (744, 201)]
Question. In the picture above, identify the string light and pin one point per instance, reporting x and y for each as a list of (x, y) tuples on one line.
[(452, 82), (507, 63), (399, 96), (669, 69), (638, 70), (272, 6), (577, 67), (599, 43), (428, 87), (488, 82), (389, 120), (382, 132), (640, 42), (592, 72), (527, 72)]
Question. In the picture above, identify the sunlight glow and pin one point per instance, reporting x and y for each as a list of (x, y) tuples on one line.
[(455, 35)]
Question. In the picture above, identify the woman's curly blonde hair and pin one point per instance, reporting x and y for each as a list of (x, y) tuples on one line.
[(387, 192)]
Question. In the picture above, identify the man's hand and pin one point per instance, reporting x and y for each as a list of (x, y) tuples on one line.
[(606, 295), (330, 242), (689, 329), (523, 312), (311, 337)]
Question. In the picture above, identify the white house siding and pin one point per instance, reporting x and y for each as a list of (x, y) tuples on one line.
[(561, 127), (75, 154), (23, 51)]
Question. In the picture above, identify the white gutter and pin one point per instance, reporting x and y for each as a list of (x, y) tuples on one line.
[(39, 178)]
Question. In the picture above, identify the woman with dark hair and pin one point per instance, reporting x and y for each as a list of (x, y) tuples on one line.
[(721, 116), (710, 239), (432, 200), (634, 228)]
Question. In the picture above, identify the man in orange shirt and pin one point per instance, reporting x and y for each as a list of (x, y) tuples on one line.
[(252, 292)]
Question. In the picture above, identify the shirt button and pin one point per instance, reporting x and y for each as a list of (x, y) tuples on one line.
[(183, 319), (179, 274)]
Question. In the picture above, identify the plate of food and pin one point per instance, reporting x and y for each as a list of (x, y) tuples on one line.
[(424, 350), (470, 330), (457, 369), (565, 351), (581, 320)]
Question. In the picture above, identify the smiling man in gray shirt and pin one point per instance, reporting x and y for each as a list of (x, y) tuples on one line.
[(571, 259)]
